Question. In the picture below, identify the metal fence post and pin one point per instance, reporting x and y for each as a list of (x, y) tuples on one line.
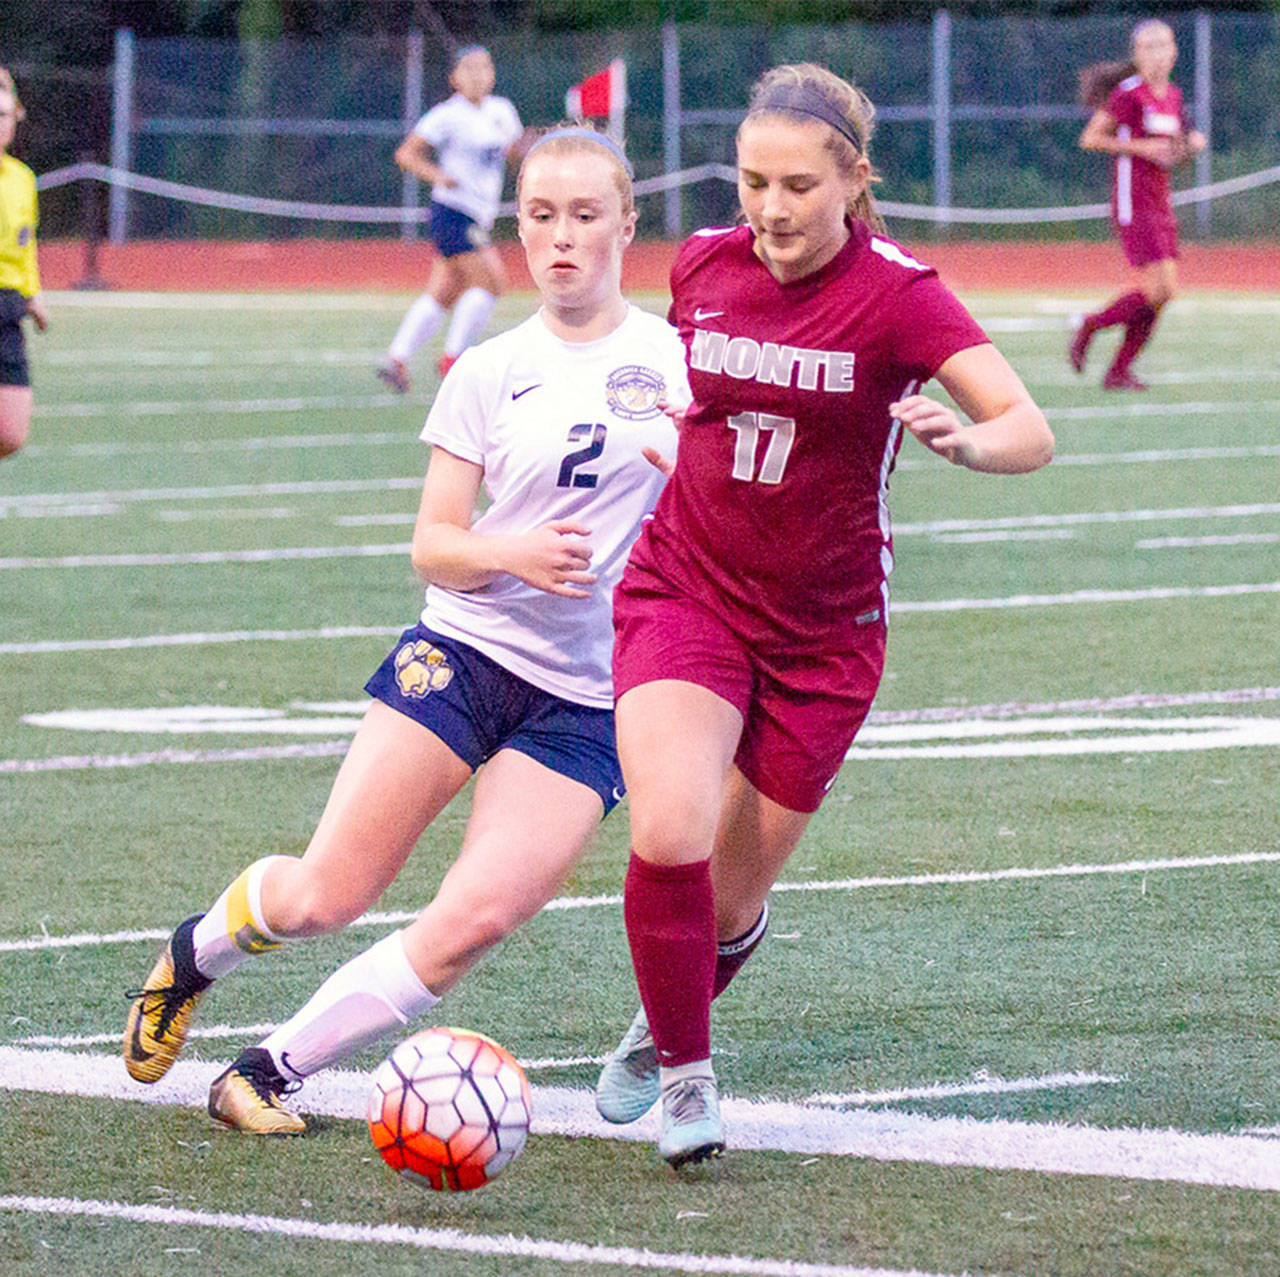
[(671, 124), (409, 117), (940, 84), (1204, 114), (121, 132)]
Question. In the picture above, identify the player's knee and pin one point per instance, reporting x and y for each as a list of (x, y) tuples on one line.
[(13, 434), (307, 905)]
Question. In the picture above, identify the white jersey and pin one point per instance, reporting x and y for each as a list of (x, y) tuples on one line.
[(471, 144), (558, 427)]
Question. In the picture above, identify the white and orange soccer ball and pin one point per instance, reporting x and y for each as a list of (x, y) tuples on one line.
[(449, 1108)]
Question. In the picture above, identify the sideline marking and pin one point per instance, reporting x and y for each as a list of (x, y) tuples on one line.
[(446, 1239), (1228, 1161), (207, 407), (196, 639), (982, 1084), (1240, 538), (85, 939), (208, 556), (1077, 518), (294, 487)]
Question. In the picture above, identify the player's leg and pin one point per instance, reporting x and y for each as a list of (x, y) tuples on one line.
[(395, 779), (15, 418), (482, 282), (1157, 282), (528, 828), (677, 741), (753, 841), (424, 318)]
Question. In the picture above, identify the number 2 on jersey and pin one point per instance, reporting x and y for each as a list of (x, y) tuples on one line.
[(782, 434), (597, 434)]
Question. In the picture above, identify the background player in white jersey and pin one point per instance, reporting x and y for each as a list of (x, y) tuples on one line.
[(460, 147), (751, 618), (506, 672)]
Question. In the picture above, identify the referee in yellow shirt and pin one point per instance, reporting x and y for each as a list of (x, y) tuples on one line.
[(19, 278)]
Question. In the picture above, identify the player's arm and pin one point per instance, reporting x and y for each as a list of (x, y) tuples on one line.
[(1101, 134), (417, 156), (1009, 434), (446, 552)]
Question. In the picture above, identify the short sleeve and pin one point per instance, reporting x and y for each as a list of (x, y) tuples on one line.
[(433, 126), (459, 417), (513, 125), (929, 324)]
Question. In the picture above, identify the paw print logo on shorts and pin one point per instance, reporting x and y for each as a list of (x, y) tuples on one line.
[(421, 669)]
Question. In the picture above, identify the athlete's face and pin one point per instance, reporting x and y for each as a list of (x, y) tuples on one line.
[(794, 193), (1154, 51), (474, 76), (8, 118), (573, 228)]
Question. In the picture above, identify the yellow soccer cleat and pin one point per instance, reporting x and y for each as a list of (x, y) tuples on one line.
[(247, 1097), (156, 1030)]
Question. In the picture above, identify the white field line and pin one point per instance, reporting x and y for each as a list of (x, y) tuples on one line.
[(1203, 408), (156, 757), (292, 488), (1241, 538), (188, 447), (1004, 534), (190, 558), (448, 1240), (1229, 1161), (196, 639), (87, 939), (204, 408), (981, 1085), (1085, 517), (1075, 597), (217, 1032)]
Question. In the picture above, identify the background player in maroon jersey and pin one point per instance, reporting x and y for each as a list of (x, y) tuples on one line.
[(750, 622), (1139, 118)]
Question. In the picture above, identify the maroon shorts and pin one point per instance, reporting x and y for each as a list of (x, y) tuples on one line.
[(1151, 239), (800, 709)]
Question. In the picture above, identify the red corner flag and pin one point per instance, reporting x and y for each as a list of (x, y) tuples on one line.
[(601, 95)]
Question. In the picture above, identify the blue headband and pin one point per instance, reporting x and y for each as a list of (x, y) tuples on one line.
[(591, 136), (466, 50), (805, 100)]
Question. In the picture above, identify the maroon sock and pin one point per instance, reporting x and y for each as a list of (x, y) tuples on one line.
[(671, 925), (731, 954), (1121, 311), (1137, 333)]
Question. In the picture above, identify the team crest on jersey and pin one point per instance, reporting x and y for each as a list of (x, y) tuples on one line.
[(421, 669), (633, 392)]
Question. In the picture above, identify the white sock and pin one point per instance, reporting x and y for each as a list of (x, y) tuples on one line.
[(364, 999), (420, 324), (470, 314), (234, 929), (679, 1072)]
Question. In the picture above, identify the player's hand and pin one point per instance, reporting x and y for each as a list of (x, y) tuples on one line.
[(1163, 151), (936, 426), (658, 461), (447, 180), (39, 316), (554, 558)]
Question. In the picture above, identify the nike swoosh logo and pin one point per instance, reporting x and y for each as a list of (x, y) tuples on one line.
[(699, 315), (515, 394), (135, 1042)]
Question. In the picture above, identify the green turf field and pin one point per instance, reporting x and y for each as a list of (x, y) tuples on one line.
[(1017, 1012)]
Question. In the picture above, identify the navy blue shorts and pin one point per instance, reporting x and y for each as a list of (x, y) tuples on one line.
[(13, 344), (454, 233), (477, 708)]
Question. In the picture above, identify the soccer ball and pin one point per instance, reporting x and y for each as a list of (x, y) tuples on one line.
[(449, 1108)]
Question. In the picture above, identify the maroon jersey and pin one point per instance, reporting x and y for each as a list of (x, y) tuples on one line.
[(776, 516), (1141, 190)]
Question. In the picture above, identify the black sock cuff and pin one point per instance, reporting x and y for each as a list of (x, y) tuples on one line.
[(749, 938), (182, 947)]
